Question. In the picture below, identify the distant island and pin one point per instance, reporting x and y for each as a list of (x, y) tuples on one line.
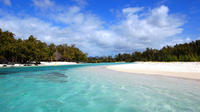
[(31, 50)]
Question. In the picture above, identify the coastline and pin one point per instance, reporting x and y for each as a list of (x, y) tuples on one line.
[(188, 70), (53, 63)]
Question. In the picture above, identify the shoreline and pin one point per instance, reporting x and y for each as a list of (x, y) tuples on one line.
[(187, 70), (53, 63)]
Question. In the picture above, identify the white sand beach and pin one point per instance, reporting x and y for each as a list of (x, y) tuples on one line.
[(53, 63), (189, 70)]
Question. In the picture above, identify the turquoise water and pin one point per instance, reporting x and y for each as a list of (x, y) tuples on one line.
[(93, 88)]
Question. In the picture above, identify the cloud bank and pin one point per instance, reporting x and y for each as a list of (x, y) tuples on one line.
[(7, 2), (137, 29)]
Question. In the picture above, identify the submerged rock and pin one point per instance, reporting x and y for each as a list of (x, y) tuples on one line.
[(52, 76), (55, 77), (57, 74)]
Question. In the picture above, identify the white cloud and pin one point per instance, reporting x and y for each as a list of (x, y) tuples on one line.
[(148, 31), (81, 2), (132, 10), (43, 3), (161, 2), (7, 2), (134, 30), (176, 41)]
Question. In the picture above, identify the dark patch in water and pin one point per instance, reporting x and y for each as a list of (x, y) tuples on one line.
[(7, 73), (55, 77), (52, 76), (57, 74), (3, 73), (11, 71)]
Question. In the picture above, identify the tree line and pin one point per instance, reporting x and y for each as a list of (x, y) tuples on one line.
[(31, 49), (179, 52)]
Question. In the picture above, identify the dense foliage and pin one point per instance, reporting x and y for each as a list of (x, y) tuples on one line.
[(180, 52), (31, 49), (101, 59)]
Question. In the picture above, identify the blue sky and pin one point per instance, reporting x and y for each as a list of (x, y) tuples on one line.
[(104, 27)]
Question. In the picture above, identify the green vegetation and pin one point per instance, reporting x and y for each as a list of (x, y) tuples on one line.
[(31, 49), (180, 52)]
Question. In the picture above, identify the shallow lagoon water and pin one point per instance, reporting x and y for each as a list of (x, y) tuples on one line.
[(93, 88)]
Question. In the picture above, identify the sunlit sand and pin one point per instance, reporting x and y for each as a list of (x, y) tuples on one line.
[(189, 70)]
